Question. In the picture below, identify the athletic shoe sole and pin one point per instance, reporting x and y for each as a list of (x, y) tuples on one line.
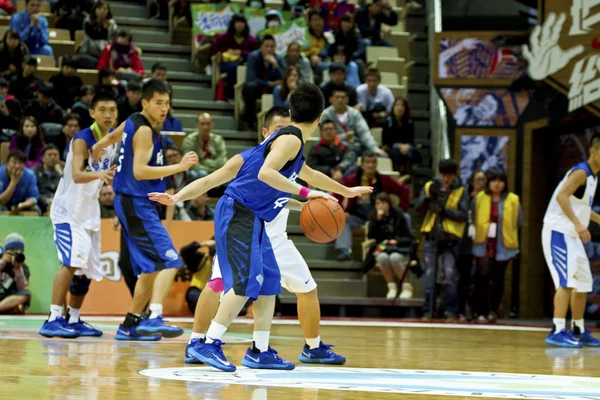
[(212, 363), (563, 344), (62, 335), (157, 331), (147, 338), (330, 361), (254, 365)]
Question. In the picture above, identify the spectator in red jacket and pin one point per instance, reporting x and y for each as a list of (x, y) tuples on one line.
[(331, 156), (121, 56), (358, 209)]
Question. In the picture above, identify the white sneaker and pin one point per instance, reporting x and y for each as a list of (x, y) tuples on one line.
[(392, 291), (407, 291)]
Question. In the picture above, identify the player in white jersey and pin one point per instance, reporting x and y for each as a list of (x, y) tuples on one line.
[(75, 215), (295, 276), (564, 232)]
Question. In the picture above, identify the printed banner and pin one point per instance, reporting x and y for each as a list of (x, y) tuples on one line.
[(256, 20), (290, 32), (212, 19), (111, 295), (482, 152)]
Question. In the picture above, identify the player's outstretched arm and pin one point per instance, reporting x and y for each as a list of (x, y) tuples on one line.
[(142, 152), (295, 205), (200, 186), (576, 179), (80, 154), (595, 217), (112, 138), (321, 181)]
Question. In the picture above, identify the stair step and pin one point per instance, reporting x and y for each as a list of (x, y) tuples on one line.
[(207, 105), (192, 93), (180, 64), (416, 22), (233, 149), (341, 287), (220, 122), (156, 35), (126, 21), (288, 298), (162, 49), (123, 9), (178, 78), (316, 251)]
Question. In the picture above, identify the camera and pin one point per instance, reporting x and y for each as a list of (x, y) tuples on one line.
[(19, 258)]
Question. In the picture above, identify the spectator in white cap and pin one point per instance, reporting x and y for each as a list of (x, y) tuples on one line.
[(14, 276)]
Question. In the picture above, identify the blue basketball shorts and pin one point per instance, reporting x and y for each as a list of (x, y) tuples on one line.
[(150, 247), (244, 250)]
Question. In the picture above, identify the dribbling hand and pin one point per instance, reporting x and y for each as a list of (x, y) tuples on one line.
[(583, 232), (162, 198), (358, 191), (315, 194), (189, 159)]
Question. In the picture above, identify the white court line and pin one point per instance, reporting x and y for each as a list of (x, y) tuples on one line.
[(373, 324)]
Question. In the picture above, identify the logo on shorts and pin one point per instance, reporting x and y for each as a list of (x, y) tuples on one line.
[(109, 266), (172, 254), (281, 202)]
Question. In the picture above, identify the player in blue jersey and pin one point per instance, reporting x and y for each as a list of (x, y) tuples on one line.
[(264, 184), (140, 170)]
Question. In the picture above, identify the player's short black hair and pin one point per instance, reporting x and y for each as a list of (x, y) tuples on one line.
[(275, 112), (448, 166), (595, 140), (154, 86), (50, 146), (306, 103), (134, 86), (102, 96), (18, 154)]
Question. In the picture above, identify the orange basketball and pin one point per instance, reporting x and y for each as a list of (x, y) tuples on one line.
[(321, 220)]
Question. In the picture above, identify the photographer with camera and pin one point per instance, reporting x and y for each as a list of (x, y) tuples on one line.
[(14, 276), (445, 206)]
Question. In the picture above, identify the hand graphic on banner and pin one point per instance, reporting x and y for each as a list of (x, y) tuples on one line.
[(545, 56)]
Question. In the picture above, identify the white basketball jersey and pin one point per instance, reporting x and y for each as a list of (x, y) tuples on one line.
[(276, 229), (77, 203), (556, 220)]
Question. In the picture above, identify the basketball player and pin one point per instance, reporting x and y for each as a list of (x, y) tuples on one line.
[(266, 179), (75, 215), (140, 170), (295, 275), (564, 232)]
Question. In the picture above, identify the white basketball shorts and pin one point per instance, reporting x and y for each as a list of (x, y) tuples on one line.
[(79, 248), (295, 275), (567, 261)]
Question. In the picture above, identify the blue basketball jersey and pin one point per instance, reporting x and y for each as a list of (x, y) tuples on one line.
[(125, 182), (265, 201)]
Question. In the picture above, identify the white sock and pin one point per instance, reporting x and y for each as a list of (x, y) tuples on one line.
[(215, 332), (313, 343), (196, 336), (73, 315), (55, 312), (578, 323), (392, 286), (559, 324), (155, 310), (261, 340)]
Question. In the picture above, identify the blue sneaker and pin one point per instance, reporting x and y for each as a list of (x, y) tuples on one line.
[(321, 355), (189, 357), (210, 354), (85, 329), (266, 360), (58, 328), (587, 339), (132, 334), (157, 326), (564, 338)]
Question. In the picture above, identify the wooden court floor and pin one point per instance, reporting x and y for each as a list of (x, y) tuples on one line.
[(386, 360)]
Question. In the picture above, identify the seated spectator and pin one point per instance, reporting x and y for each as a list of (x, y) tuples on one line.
[(200, 266), (293, 57), (235, 46), (48, 176), (369, 19), (398, 136), (350, 124), (32, 28), (177, 181), (30, 141), (331, 156), (348, 36), (71, 14), (443, 202), (12, 54), (281, 93), (337, 80), (68, 82), (24, 86), (210, 147), (375, 99), (18, 185), (198, 210), (273, 18), (359, 209), (132, 102), (171, 123), (14, 276), (389, 227), (183, 13), (317, 52), (83, 105), (122, 56), (71, 124), (99, 29), (44, 107), (263, 73), (107, 82), (10, 108), (107, 202), (338, 55), (159, 72)]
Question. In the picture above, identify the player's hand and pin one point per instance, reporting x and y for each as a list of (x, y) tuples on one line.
[(96, 153), (162, 198), (208, 243), (315, 194), (583, 232), (107, 175), (189, 159), (358, 191)]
